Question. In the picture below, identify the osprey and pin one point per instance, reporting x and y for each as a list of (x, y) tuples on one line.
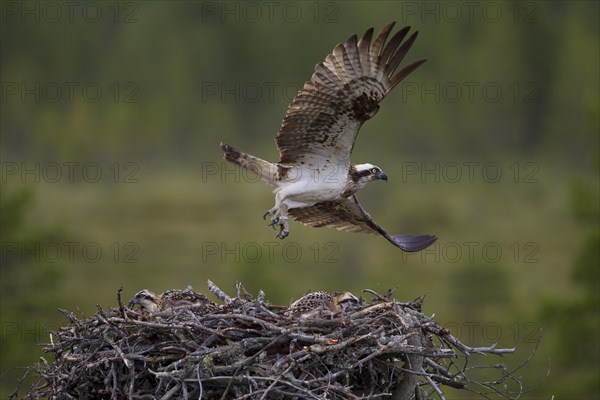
[(315, 182), (319, 303), (173, 299)]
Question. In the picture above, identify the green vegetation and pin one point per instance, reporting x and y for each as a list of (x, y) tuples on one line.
[(577, 321), (166, 213)]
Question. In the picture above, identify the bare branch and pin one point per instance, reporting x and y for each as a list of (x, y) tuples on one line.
[(246, 348)]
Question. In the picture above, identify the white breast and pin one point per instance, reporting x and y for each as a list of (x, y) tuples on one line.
[(308, 186)]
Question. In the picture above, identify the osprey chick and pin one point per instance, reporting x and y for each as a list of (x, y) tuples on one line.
[(173, 299), (316, 304), (315, 182)]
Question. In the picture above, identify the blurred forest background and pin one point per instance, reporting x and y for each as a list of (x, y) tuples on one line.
[(112, 113)]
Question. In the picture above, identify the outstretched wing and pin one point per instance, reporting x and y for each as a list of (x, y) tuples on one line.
[(348, 215), (324, 118)]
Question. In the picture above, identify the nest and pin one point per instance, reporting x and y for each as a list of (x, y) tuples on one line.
[(247, 348)]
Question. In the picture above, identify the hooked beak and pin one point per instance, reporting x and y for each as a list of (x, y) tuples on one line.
[(135, 300), (382, 176)]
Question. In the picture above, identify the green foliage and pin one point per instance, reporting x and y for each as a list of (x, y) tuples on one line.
[(13, 207), (585, 271), (487, 283), (585, 201), (576, 322), (21, 237), (28, 296), (176, 118)]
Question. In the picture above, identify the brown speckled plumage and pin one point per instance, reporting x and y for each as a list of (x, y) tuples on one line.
[(173, 299), (343, 93), (315, 181), (317, 303)]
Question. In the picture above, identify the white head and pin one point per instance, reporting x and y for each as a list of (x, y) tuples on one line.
[(363, 173)]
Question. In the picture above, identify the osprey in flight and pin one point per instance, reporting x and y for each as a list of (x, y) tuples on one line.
[(315, 182)]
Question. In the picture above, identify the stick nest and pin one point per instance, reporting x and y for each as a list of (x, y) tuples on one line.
[(247, 348)]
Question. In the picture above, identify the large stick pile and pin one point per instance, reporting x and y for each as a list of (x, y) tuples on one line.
[(247, 348)]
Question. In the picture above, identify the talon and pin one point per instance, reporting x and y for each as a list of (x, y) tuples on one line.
[(274, 222), (264, 216), (283, 228), (282, 234)]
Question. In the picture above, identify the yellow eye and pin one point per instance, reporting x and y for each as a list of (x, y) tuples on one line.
[(374, 170)]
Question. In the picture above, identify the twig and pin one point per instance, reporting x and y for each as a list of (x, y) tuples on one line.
[(249, 349), (221, 295), (435, 387)]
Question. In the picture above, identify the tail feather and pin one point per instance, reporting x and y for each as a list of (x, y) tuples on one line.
[(411, 243), (265, 170)]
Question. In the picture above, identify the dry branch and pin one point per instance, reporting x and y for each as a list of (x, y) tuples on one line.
[(247, 348)]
